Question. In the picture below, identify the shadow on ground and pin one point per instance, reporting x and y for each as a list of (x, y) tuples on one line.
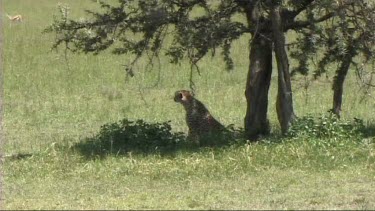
[(368, 130), (142, 137), (139, 136), (17, 156)]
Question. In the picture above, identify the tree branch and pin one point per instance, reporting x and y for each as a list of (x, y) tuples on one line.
[(294, 13), (303, 24), (249, 8)]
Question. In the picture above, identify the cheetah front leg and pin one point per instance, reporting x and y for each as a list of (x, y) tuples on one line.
[(193, 136)]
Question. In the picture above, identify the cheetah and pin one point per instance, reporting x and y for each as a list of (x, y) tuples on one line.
[(199, 120)]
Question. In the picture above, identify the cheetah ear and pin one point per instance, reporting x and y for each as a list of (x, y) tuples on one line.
[(186, 95)]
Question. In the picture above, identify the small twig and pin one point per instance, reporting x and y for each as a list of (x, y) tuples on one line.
[(142, 95), (191, 82), (66, 56)]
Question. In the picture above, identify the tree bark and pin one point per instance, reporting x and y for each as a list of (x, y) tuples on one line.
[(257, 86), (259, 74), (284, 102), (338, 83)]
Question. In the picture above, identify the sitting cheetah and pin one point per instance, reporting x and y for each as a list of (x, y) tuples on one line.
[(198, 118)]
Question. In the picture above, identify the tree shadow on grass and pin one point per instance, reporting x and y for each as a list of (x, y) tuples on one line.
[(368, 130), (141, 137), (17, 156)]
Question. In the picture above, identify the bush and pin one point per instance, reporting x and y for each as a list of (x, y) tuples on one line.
[(326, 126), (141, 137), (125, 135)]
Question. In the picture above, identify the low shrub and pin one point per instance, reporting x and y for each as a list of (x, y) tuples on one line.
[(125, 135), (327, 126)]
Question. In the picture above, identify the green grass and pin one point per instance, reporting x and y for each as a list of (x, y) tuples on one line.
[(50, 107), (258, 176)]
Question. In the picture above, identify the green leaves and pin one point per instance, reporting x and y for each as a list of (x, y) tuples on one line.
[(140, 28), (125, 136), (327, 126), (346, 32)]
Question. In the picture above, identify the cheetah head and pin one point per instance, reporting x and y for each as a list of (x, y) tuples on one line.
[(182, 96)]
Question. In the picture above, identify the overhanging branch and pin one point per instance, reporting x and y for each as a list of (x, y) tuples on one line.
[(295, 25), (294, 13)]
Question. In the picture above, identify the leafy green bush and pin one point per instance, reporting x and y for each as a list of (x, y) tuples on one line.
[(326, 126), (125, 135), (139, 136)]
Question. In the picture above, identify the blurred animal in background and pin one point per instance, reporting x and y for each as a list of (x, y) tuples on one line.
[(16, 18)]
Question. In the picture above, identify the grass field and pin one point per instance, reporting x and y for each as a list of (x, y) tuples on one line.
[(52, 103)]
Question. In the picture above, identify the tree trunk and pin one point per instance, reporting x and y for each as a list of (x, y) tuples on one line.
[(257, 86), (284, 102), (338, 83), (259, 74)]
